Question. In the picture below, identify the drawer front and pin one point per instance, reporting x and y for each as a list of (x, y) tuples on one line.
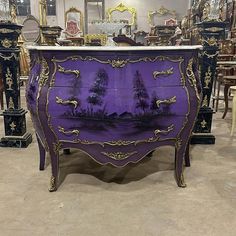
[(116, 132), (138, 103), (84, 73)]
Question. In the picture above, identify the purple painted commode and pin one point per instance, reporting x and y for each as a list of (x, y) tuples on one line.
[(117, 104)]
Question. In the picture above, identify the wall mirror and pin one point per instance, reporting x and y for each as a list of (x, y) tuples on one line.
[(159, 17), (122, 13), (94, 11), (73, 22), (31, 31)]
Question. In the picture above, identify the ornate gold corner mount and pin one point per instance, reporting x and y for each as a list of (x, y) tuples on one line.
[(44, 74), (53, 184)]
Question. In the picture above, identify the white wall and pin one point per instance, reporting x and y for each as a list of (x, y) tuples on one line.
[(142, 7)]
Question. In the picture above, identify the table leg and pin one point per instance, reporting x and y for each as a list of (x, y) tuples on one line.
[(226, 97)]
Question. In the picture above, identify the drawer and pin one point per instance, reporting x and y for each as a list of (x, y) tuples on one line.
[(116, 132), (84, 74), (117, 104)]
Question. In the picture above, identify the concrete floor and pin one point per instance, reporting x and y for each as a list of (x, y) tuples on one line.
[(139, 200)]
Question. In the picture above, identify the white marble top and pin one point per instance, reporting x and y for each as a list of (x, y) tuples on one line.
[(116, 48)]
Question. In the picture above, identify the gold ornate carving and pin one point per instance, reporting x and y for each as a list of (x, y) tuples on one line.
[(68, 132), (11, 103), (13, 126), (56, 147), (43, 78), (158, 131), (207, 80), (9, 80), (166, 73), (122, 8), (212, 41), (63, 70), (203, 124), (118, 155), (6, 43), (166, 101), (119, 143), (7, 31), (192, 78), (214, 29), (8, 58), (66, 102), (210, 55), (52, 186), (205, 102), (119, 63)]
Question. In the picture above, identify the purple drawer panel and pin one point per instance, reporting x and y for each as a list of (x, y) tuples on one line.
[(114, 103), (100, 131), (84, 73)]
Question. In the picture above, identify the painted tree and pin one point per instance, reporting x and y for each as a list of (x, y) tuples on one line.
[(98, 89), (153, 106), (140, 92)]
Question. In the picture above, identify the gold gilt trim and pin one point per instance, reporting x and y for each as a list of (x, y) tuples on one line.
[(119, 155), (52, 186), (121, 8), (68, 132), (166, 101), (6, 43), (191, 77), (7, 31), (13, 126), (56, 147), (8, 58), (214, 29), (67, 102), (119, 63), (210, 55), (205, 102), (166, 73), (119, 143), (212, 41), (63, 70), (44, 73), (158, 131), (11, 103), (203, 124), (207, 80)]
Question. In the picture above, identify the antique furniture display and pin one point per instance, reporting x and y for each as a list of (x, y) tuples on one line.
[(164, 23), (14, 116), (117, 104)]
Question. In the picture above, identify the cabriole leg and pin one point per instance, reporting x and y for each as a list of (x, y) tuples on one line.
[(54, 155), (42, 154), (180, 148)]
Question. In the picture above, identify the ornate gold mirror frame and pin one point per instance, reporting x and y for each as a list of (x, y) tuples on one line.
[(122, 8), (75, 10), (161, 12)]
